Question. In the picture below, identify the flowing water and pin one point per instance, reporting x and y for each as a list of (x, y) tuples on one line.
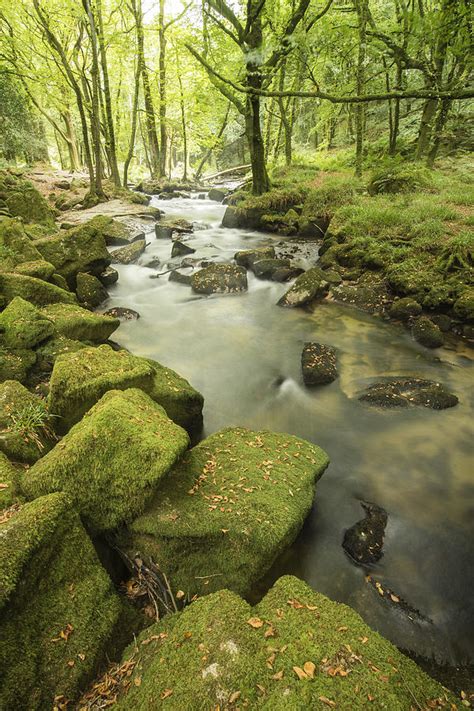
[(243, 353)]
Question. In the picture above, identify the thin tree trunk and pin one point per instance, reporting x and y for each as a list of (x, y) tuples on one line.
[(426, 127), (362, 14), (441, 119), (396, 113), (95, 105), (208, 153), (253, 129), (183, 117), (74, 158), (133, 127), (111, 145), (162, 87)]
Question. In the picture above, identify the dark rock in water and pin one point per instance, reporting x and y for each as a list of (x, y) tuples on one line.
[(195, 262), (248, 257), (180, 278), (318, 363), (217, 194), (265, 268), (315, 228), (307, 287), (166, 228), (403, 392), (363, 542), (130, 254), (427, 333), (286, 273), (179, 249), (109, 276), (153, 263), (220, 279), (122, 313), (163, 231), (405, 308), (166, 196), (369, 296)]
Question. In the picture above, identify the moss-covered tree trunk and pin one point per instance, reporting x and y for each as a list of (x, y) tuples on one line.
[(95, 102), (162, 87), (253, 128), (362, 16), (111, 144)]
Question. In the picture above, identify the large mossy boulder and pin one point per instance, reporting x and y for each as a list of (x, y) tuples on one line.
[(25, 424), (79, 324), (220, 279), (23, 200), (58, 607), (80, 249), (48, 352), (22, 325), (15, 364), (110, 463), (90, 291), (181, 402), (228, 508), (15, 245), (309, 286), (31, 289), (40, 270), (9, 483), (295, 650)]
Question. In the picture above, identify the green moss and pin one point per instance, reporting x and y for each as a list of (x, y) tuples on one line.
[(15, 246), (220, 279), (399, 177), (307, 287), (427, 333), (38, 269), (247, 257), (233, 664), (15, 364), (464, 306), (37, 291), (130, 253), (23, 200), (47, 352), (90, 291), (79, 324), (9, 483), (23, 325), (224, 513), (111, 462), (51, 584), (181, 402), (276, 200), (405, 308), (25, 426)]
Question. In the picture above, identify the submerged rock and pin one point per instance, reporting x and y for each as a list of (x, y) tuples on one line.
[(80, 324), (307, 287), (229, 507), (427, 333), (59, 611), (403, 392), (90, 291), (122, 313), (318, 363), (296, 649), (22, 325), (370, 294), (109, 464), (363, 541), (179, 249), (25, 424), (130, 254), (220, 279)]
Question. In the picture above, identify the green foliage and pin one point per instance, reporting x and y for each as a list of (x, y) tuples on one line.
[(399, 177)]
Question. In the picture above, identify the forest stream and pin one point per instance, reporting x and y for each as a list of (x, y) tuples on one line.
[(243, 353)]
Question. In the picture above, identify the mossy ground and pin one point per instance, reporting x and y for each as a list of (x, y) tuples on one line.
[(110, 463), (224, 513), (25, 424), (295, 650)]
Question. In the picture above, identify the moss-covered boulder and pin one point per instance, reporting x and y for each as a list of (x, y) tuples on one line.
[(427, 333), (309, 286), (119, 233), (15, 364), (80, 324), (464, 306), (23, 326), (38, 269), (129, 254), (23, 200), (405, 308), (58, 607), (110, 463), (266, 268), (229, 507), (25, 424), (247, 257), (109, 276), (48, 352), (90, 291), (9, 487), (181, 402), (80, 249), (220, 279), (15, 245), (318, 363), (296, 649), (409, 392), (37, 291)]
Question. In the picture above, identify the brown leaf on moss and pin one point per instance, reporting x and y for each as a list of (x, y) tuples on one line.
[(300, 673), (255, 622), (234, 696), (328, 702), (278, 675), (165, 694), (309, 669)]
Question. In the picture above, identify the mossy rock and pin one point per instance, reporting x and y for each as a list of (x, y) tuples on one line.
[(266, 268), (247, 257), (38, 269), (296, 650), (25, 427), (109, 276), (118, 233), (23, 325), (309, 286), (15, 364), (24, 201), (48, 352), (427, 333), (129, 254), (79, 324), (110, 463), (80, 249), (9, 484), (90, 291), (318, 363), (229, 507), (37, 291), (409, 392), (370, 294), (332, 277), (405, 308), (59, 610), (220, 279), (80, 378), (15, 245), (464, 306), (181, 402)]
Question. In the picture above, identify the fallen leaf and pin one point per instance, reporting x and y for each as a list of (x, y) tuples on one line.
[(233, 697), (255, 622), (164, 694), (309, 669), (342, 629), (327, 701), (179, 595), (270, 632), (278, 675), (137, 681), (300, 673), (394, 598)]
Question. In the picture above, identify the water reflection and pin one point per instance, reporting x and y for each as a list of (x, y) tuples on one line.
[(243, 353)]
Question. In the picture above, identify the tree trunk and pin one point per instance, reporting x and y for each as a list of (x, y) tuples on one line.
[(396, 113), (74, 158), (441, 119), (361, 8), (111, 145), (183, 117), (95, 104), (426, 127), (162, 87), (133, 128), (208, 153), (253, 129)]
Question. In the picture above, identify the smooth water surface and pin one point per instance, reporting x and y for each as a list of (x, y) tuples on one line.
[(243, 353)]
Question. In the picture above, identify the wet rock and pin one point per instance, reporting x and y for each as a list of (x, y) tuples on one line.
[(248, 257), (80, 324), (286, 273), (427, 333), (363, 542), (370, 295), (130, 254), (183, 533), (195, 262), (220, 279), (90, 291), (25, 424), (443, 321), (405, 308), (22, 325), (180, 278), (318, 363), (248, 218), (166, 228), (332, 277), (265, 268), (405, 392), (217, 194), (179, 249), (110, 462), (309, 286), (57, 606), (122, 232), (122, 313), (164, 195), (109, 276), (464, 306)]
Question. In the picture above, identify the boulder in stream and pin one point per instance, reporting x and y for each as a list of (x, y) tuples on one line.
[(406, 392), (404, 309), (179, 277), (220, 279), (427, 333), (59, 612), (122, 313), (109, 276), (129, 254), (217, 194), (309, 286), (90, 291), (227, 509), (166, 228), (363, 541), (110, 463), (318, 363), (266, 268), (180, 249), (248, 257), (295, 649), (80, 324), (286, 273)]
